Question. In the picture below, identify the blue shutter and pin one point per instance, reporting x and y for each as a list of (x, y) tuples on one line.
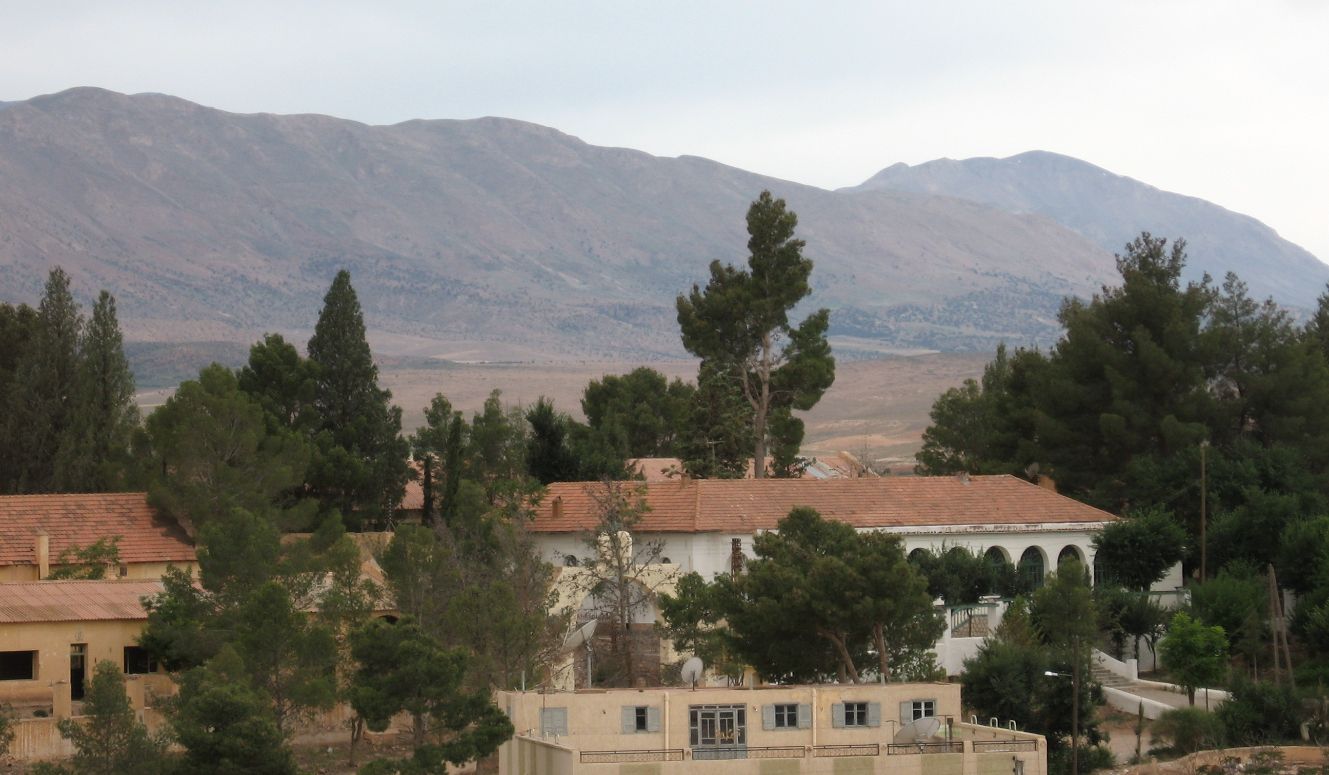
[(804, 716), (874, 714), (629, 719), (652, 719), (837, 715), (768, 717)]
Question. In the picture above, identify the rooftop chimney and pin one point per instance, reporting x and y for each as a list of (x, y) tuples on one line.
[(43, 555)]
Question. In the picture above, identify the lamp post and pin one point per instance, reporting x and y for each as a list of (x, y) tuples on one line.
[(1075, 709)]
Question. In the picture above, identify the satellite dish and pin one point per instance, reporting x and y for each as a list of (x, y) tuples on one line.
[(692, 672), (918, 730), (580, 637)]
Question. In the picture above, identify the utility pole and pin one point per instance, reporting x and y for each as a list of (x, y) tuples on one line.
[(1204, 519)]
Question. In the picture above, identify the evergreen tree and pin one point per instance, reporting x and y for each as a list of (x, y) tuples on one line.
[(282, 382), (496, 446), (715, 440), (94, 451), (111, 740), (641, 413), (225, 725), (18, 333), (44, 389), (740, 324), (548, 456), (360, 467)]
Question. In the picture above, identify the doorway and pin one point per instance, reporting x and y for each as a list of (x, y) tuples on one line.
[(78, 669), (718, 731)]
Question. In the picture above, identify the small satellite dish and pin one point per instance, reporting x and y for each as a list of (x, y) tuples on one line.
[(693, 670), (918, 730), (580, 637)]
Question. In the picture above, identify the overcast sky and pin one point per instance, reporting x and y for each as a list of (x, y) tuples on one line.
[(1228, 101)]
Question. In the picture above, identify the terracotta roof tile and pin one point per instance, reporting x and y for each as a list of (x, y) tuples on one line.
[(741, 506), (80, 519), (75, 601)]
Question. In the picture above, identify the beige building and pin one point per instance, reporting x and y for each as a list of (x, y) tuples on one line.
[(838, 729), (37, 530), (52, 634)]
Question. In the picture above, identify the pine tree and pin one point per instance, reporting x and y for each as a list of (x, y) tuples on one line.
[(360, 468), (18, 333), (43, 392), (740, 323), (95, 448)]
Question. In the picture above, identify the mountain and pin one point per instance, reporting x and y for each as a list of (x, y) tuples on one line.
[(1113, 209), (480, 239)]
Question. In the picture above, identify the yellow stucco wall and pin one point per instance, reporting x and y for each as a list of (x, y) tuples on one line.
[(52, 641), (137, 570)]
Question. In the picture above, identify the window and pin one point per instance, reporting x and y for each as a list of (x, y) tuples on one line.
[(640, 718), (138, 661), (786, 716), (553, 722), (914, 710), (18, 665), (856, 714)]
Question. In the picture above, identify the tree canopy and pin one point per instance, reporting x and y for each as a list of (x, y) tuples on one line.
[(739, 326)]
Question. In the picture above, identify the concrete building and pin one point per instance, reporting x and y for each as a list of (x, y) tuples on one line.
[(833, 729)]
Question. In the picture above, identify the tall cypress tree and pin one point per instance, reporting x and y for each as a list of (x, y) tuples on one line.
[(360, 468), (94, 448), (43, 390), (18, 332)]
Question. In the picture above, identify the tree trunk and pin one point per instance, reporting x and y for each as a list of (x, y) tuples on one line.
[(427, 486), (845, 660), (357, 732), (761, 407), (418, 728), (883, 660)]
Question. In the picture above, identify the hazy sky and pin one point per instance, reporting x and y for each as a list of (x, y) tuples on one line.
[(1228, 101)]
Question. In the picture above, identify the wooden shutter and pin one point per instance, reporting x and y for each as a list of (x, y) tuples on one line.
[(652, 719), (804, 716), (768, 717), (629, 719), (874, 714), (906, 712), (837, 715)]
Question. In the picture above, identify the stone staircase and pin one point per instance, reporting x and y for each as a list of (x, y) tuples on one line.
[(1108, 678)]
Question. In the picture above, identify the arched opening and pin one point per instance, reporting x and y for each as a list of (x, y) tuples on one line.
[(918, 555), (996, 555), (1032, 568), (1069, 552)]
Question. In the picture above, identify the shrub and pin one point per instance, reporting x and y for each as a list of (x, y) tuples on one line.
[(1260, 713), (1188, 730)]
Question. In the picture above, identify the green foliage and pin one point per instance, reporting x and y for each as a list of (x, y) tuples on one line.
[(225, 725), (1303, 554), (182, 631), (1009, 681), (94, 452), (1237, 601), (44, 387), (110, 740), (692, 618), (739, 325), (400, 668), (560, 449), (639, 414), (960, 576), (282, 382), (854, 593), (1194, 653), (496, 449), (1062, 610), (1260, 713), (1187, 730), (715, 440), (359, 469), (1138, 551), (87, 562), (290, 656), (213, 451)]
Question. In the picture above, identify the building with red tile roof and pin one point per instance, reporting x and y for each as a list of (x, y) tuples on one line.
[(35, 530)]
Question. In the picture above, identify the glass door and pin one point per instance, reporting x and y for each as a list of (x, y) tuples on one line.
[(718, 731)]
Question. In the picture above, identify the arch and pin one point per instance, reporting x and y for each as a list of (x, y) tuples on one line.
[(1032, 567), (1070, 552), (997, 555), (918, 555)]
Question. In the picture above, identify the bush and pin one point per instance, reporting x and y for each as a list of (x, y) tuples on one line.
[(1092, 757), (1188, 730), (1260, 713)]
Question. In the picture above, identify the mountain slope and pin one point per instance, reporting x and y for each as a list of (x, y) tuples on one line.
[(1112, 209), (481, 239)]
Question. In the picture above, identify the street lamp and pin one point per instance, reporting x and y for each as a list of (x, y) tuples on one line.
[(1075, 710)]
